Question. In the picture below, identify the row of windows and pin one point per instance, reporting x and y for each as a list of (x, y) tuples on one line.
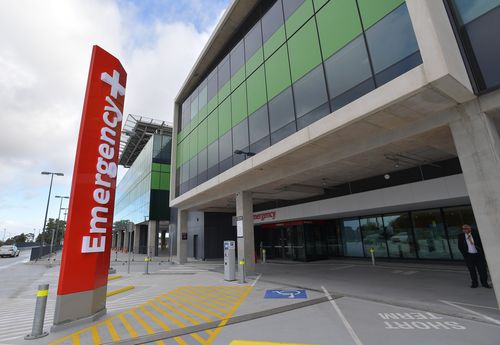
[(382, 52)]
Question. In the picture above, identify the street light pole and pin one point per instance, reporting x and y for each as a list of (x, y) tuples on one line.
[(57, 225), (47, 208)]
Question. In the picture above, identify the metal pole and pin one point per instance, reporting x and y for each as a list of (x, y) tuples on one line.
[(263, 256), (129, 243), (147, 264), (242, 272), (372, 255), (41, 304), (53, 230), (46, 212)]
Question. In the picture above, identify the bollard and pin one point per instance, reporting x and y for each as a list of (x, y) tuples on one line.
[(242, 272), (41, 304), (116, 254), (372, 250), (147, 260), (263, 256)]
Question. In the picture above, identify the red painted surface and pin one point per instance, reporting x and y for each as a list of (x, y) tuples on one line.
[(291, 223), (85, 266)]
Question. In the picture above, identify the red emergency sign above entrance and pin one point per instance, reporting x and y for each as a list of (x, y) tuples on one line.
[(87, 242)]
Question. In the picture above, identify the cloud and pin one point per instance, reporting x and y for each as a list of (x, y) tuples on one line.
[(45, 56)]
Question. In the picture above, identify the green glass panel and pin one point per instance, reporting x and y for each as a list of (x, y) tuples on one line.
[(202, 135), (319, 3), (178, 157), (155, 180), (277, 72), (224, 116), (238, 78), (165, 168), (274, 42), (255, 61), (256, 90), (338, 24), (202, 114), (165, 181), (156, 167), (185, 149), (212, 104), (304, 51), (224, 91), (299, 17), (194, 121), (372, 11), (213, 126), (193, 143), (238, 104)]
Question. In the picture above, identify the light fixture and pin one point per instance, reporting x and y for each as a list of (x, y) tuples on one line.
[(387, 176), (246, 153)]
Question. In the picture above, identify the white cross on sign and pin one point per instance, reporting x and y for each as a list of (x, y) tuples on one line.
[(114, 81)]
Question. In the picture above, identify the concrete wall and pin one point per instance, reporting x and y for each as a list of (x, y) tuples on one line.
[(196, 224)]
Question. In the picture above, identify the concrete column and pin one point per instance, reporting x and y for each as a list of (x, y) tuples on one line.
[(478, 146), (244, 211), (119, 239), (152, 234), (182, 239), (125, 239), (137, 238)]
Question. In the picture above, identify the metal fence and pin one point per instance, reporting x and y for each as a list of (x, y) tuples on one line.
[(35, 252)]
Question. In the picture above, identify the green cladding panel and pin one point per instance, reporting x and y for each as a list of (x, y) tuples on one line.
[(255, 61), (299, 17), (224, 116), (238, 78), (304, 50), (256, 90), (277, 72), (239, 104), (213, 127), (274, 42), (338, 24), (202, 135), (319, 3), (373, 11)]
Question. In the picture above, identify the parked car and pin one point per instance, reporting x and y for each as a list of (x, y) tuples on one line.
[(9, 250), (401, 237)]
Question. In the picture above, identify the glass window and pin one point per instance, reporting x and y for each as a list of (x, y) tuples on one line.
[(469, 10), (455, 217), (240, 136), (253, 41), (212, 85), (348, 68), (202, 98), (259, 124), (373, 236), (304, 50), (193, 167), (281, 110), (272, 20), (213, 154), (256, 90), (277, 72), (237, 58), (184, 172), (223, 72), (225, 146), (399, 236), (186, 112), (351, 237), (194, 104), (202, 161), (290, 6), (430, 235), (392, 39), (310, 92)]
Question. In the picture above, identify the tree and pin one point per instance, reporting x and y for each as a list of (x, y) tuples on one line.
[(120, 225), (58, 226)]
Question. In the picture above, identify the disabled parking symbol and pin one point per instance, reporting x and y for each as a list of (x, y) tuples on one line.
[(289, 294)]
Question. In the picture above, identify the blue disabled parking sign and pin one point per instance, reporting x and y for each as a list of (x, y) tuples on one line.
[(285, 294)]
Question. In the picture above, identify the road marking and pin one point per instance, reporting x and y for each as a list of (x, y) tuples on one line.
[(117, 291), (340, 268), (472, 311), (342, 317), (12, 264), (253, 342), (114, 277), (474, 305), (409, 272), (256, 280)]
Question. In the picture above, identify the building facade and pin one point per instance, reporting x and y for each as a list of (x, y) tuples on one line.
[(142, 212), (340, 127)]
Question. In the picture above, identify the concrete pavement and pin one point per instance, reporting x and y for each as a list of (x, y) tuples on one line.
[(391, 303)]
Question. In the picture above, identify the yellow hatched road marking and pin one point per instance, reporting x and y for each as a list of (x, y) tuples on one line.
[(131, 331), (218, 316), (145, 325), (206, 303), (178, 312), (117, 291), (231, 312), (114, 277), (222, 301), (253, 342), (215, 291), (95, 336), (171, 318), (112, 331), (76, 339), (234, 295)]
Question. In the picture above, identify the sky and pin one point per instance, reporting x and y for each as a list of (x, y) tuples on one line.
[(44, 63)]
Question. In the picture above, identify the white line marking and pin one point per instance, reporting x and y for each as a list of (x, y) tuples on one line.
[(340, 268), (342, 317), (474, 305), (409, 272), (11, 264), (473, 312), (256, 280), (397, 271)]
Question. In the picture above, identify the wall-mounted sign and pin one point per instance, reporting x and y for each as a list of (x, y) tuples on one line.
[(85, 259)]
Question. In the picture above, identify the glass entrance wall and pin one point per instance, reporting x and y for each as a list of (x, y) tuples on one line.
[(351, 237), (430, 235), (374, 236), (400, 241)]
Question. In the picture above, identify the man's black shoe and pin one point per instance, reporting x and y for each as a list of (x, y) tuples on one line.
[(473, 285), (487, 286)]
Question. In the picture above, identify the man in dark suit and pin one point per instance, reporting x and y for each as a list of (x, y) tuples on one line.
[(471, 248)]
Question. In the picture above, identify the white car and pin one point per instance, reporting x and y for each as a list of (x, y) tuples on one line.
[(401, 237), (9, 250)]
